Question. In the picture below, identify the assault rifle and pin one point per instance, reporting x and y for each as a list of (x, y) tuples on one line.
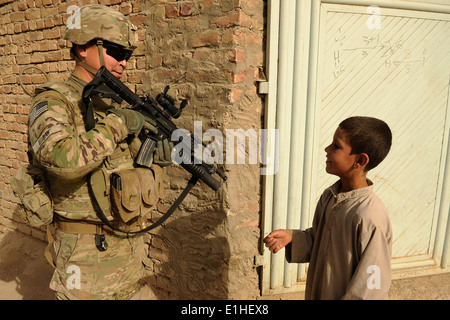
[(161, 111)]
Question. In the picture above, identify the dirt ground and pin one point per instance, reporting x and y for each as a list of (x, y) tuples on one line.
[(25, 275)]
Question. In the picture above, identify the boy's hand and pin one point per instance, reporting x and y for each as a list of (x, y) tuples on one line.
[(278, 239)]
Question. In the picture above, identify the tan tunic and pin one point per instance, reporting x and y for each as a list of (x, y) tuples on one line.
[(348, 247)]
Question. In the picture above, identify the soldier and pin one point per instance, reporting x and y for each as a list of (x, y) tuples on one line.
[(92, 262)]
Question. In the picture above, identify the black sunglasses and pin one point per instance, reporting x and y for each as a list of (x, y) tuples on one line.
[(116, 51)]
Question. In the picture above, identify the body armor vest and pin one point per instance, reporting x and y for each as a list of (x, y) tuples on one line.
[(70, 196)]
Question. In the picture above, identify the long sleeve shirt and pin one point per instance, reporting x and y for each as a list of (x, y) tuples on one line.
[(61, 144), (348, 246), (57, 131)]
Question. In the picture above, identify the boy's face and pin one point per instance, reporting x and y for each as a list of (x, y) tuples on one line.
[(339, 160)]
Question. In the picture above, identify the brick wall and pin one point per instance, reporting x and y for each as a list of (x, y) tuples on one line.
[(31, 35), (210, 52)]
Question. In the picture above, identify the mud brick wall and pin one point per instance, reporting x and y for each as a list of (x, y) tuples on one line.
[(31, 34), (210, 53)]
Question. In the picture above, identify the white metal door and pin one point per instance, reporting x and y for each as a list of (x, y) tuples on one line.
[(386, 59)]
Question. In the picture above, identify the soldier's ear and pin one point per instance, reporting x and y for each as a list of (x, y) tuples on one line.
[(80, 51)]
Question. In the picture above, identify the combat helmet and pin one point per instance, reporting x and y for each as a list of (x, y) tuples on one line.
[(101, 23)]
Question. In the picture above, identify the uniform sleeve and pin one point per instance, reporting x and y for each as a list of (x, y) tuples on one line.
[(64, 149), (372, 277)]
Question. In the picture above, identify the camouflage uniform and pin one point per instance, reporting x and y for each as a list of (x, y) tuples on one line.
[(68, 153)]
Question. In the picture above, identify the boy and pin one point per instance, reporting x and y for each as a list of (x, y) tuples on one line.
[(349, 245)]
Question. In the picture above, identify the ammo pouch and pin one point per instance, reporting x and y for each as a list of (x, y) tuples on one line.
[(30, 185), (134, 192), (131, 195), (127, 193)]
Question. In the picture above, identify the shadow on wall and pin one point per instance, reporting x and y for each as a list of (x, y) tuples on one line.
[(24, 272), (193, 260)]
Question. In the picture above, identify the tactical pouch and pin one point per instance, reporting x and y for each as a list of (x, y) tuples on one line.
[(133, 193), (29, 184)]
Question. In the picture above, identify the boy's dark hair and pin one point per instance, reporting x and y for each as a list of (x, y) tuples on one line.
[(368, 135)]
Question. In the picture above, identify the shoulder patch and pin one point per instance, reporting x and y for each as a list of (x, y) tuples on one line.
[(39, 109), (37, 145)]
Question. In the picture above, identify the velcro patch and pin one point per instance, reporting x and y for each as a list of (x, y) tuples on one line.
[(39, 109), (37, 145)]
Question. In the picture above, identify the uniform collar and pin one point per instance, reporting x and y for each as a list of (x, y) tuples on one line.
[(77, 82), (334, 189)]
